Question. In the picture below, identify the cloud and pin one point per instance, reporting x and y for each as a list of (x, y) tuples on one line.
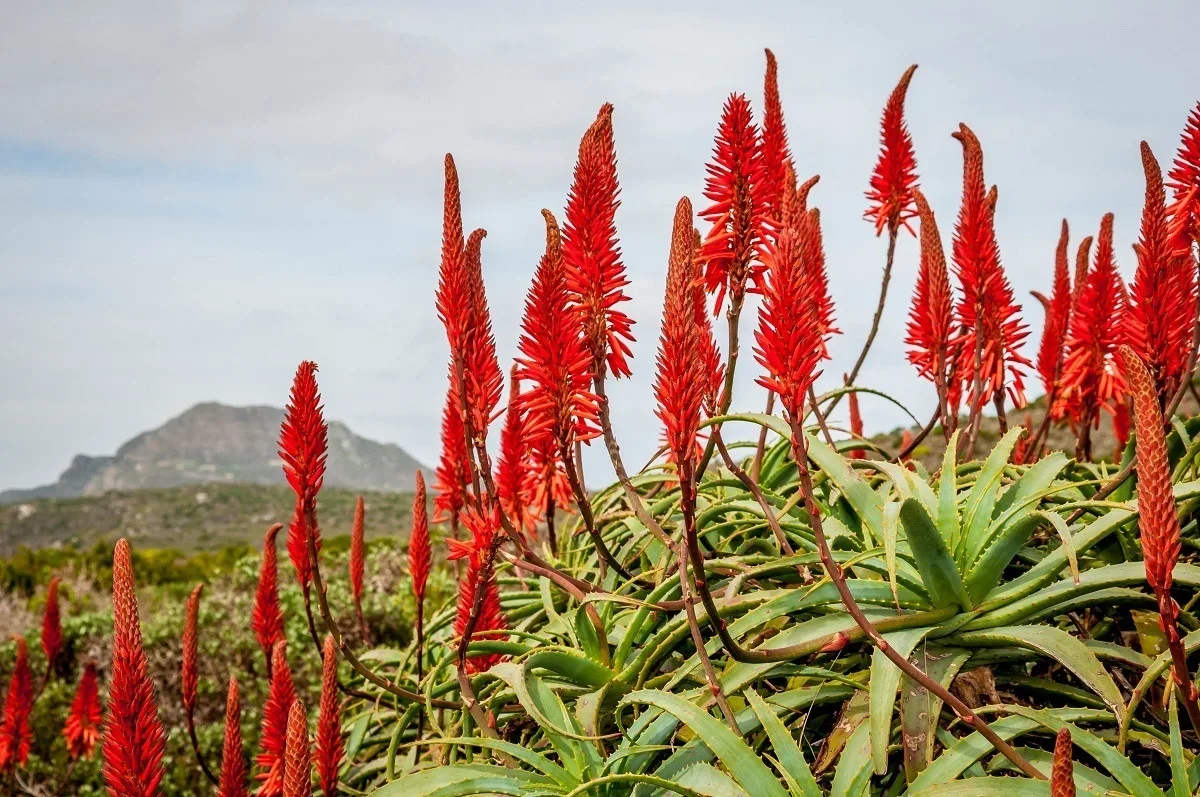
[(196, 196)]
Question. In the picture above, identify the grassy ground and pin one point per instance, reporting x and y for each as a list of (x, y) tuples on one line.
[(194, 518)]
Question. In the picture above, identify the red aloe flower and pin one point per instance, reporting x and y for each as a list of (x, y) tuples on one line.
[(233, 759), (16, 735), (1184, 181), (512, 482), (1157, 520), (267, 618), (82, 729), (559, 403), (476, 551), (453, 293), (1090, 378), (546, 476), (329, 723), (856, 425), (931, 319), (297, 764), (357, 561), (712, 368), (454, 467), (738, 189), (273, 738), (1058, 319), (418, 542), (989, 315), (684, 378), (188, 673), (776, 158), (1062, 773), (1163, 311), (303, 446), (895, 176), (595, 275), (481, 366), (52, 633), (133, 736), (788, 340)]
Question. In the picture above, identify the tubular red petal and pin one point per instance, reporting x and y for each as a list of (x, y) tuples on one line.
[(303, 447), (273, 737), (16, 735), (419, 557), (1062, 773), (776, 157), (52, 633), (931, 318), (357, 553)]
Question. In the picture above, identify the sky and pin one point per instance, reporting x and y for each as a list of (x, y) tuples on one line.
[(194, 197)]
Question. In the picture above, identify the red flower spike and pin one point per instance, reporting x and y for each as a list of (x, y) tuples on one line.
[(1062, 773), (1156, 504), (559, 403), (188, 671), (484, 381), (1090, 378), (776, 158), (1184, 182), (418, 542), (133, 736), (788, 340), (819, 279), (297, 764), (454, 467), (16, 735), (267, 618), (273, 737), (452, 298), (82, 729), (482, 530), (895, 176), (856, 425), (52, 633), (512, 480), (303, 446), (737, 188), (1163, 311), (233, 759), (594, 272), (931, 319), (987, 311), (357, 556), (683, 379), (1058, 318), (329, 724), (712, 368)]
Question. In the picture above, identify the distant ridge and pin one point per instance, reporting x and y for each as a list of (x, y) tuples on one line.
[(216, 443)]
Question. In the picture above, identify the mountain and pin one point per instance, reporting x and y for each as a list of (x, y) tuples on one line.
[(215, 443)]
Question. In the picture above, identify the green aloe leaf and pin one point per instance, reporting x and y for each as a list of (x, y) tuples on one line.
[(462, 780), (987, 786), (787, 751), (941, 576), (982, 498), (1060, 646), (746, 767), (885, 680)]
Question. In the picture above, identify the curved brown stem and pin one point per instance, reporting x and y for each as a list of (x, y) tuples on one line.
[(761, 448), (191, 729), (688, 509), (614, 453), (732, 318), (589, 521), (920, 436), (820, 416), (754, 489), (353, 660), (893, 232), (837, 576)]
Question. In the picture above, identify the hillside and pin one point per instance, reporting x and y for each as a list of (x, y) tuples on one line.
[(198, 517), (212, 443)]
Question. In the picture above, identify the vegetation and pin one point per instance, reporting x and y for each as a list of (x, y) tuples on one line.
[(793, 616)]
